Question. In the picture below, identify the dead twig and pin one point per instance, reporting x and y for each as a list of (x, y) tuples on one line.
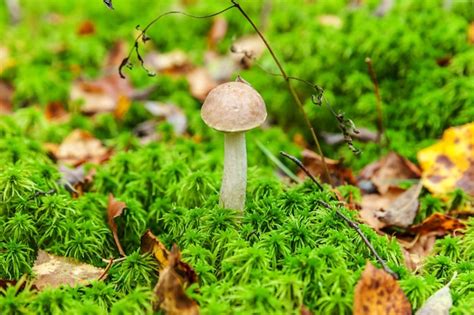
[(104, 274), (373, 76), (351, 223)]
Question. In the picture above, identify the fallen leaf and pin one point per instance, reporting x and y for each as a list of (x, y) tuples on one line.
[(449, 164), (54, 271), (402, 211), (416, 250), (123, 105), (470, 33), (170, 289), (6, 96), (339, 174), (200, 83), (86, 28), (439, 303), (78, 148), (172, 63), (151, 244), (378, 293), (55, 112), (305, 311), (217, 32), (171, 113), (372, 203), (389, 171), (438, 223), (246, 49), (115, 209), (146, 132)]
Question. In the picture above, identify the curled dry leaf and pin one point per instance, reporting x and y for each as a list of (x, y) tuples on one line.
[(438, 223), (170, 289), (313, 162), (78, 148), (449, 163), (402, 211), (54, 271), (151, 244), (389, 171), (115, 209), (416, 250), (439, 303), (373, 203), (378, 293)]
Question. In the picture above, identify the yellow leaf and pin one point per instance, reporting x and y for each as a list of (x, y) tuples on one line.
[(449, 163)]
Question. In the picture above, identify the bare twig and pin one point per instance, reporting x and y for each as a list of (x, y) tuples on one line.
[(116, 260), (373, 76), (351, 223), (298, 162), (104, 274)]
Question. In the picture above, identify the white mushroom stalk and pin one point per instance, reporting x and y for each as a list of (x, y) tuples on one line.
[(234, 178), (234, 108)]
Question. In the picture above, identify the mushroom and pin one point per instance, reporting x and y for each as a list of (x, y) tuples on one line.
[(234, 108)]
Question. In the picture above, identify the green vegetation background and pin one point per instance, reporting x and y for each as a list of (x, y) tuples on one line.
[(286, 250)]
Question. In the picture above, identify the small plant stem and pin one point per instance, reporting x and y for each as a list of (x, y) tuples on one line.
[(373, 76), (116, 260), (278, 163), (351, 223), (298, 162), (290, 88), (104, 274)]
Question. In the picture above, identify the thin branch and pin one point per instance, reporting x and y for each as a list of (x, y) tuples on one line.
[(373, 76), (116, 260), (351, 223), (104, 274), (298, 162)]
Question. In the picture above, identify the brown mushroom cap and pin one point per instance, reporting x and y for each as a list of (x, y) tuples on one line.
[(233, 107)]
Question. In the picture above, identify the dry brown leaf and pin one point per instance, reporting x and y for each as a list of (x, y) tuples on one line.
[(150, 243), (246, 49), (86, 28), (402, 211), (170, 289), (200, 83), (79, 147), (55, 112), (54, 271), (378, 293), (438, 223), (115, 209), (217, 32), (449, 163), (372, 203), (339, 174), (172, 63), (6, 97), (416, 250), (123, 105), (389, 171)]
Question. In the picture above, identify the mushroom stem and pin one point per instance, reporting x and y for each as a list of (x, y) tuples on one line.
[(234, 179)]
